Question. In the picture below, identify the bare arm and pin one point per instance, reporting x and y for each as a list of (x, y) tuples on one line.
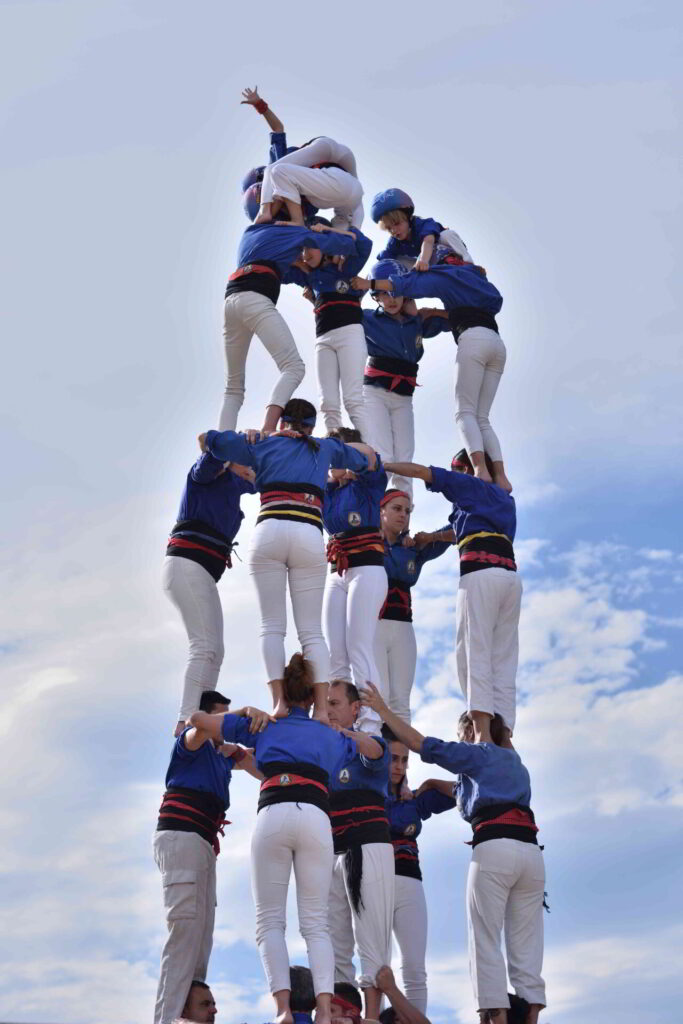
[(252, 99), (427, 311), (439, 536), (409, 469), (405, 1011), (441, 785), (402, 731), (426, 250), (336, 231), (366, 745), (212, 725)]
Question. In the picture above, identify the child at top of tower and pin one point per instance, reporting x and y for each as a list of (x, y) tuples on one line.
[(412, 238)]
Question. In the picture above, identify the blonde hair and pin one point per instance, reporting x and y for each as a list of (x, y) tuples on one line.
[(387, 220)]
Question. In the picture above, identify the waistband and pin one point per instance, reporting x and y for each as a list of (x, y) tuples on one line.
[(397, 375), (463, 317), (486, 550), (406, 858), (294, 782), (358, 816), (399, 603), (332, 311), (201, 543), (297, 503), (361, 545), (192, 810), (253, 268), (262, 277), (504, 821), (325, 166)]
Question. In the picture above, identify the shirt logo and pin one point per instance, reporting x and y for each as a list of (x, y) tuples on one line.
[(410, 566), (248, 269), (418, 341), (285, 780), (344, 775), (354, 518), (409, 830), (309, 498), (342, 286)]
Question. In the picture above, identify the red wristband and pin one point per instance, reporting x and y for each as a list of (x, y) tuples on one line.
[(261, 106)]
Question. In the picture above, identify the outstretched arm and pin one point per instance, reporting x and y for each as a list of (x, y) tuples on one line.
[(365, 744), (409, 469), (366, 450), (405, 1011), (372, 698), (252, 99)]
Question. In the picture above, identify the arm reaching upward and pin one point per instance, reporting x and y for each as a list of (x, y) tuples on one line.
[(372, 698), (252, 99)]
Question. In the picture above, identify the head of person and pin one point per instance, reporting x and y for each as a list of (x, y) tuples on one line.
[(394, 511), (200, 1006), (383, 269), (398, 764), (348, 435), (393, 210), (214, 703), (499, 731), (298, 415), (297, 685), (347, 1004), (302, 993), (461, 463), (310, 254), (388, 1016), (343, 703)]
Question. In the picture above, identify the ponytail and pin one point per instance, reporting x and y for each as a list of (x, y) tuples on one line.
[(297, 684), (298, 414)]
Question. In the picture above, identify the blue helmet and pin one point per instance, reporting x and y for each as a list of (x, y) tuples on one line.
[(252, 200), (387, 268), (252, 176), (391, 199)]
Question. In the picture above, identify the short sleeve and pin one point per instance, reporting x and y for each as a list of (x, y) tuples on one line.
[(377, 764), (235, 729), (457, 758)]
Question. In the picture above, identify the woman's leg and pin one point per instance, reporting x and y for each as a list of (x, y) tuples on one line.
[(267, 561), (237, 338), (334, 625), (524, 928), (505, 648), (307, 571), (272, 852), (341, 924), (327, 372), (313, 862), (262, 318), (410, 929), (489, 386), (373, 921), (194, 593), (352, 354), (380, 649), (492, 874), (367, 591), (402, 664), (380, 436), (477, 605), (403, 431), (470, 364)]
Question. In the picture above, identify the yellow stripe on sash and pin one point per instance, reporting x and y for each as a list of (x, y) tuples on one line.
[(291, 512), (482, 533)]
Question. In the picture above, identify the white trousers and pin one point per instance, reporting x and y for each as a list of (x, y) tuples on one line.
[(294, 175), (283, 552), (396, 658), (194, 593), (289, 835), (391, 429), (340, 359), (246, 314), (453, 240), (487, 640), (351, 608), (370, 929), (188, 874), (505, 892), (410, 930), (479, 365)]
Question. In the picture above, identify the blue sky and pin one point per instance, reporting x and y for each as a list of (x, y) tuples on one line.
[(547, 135)]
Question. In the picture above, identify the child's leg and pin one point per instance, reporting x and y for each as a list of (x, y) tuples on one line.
[(351, 355), (327, 372), (264, 320), (492, 374), (470, 364), (403, 432)]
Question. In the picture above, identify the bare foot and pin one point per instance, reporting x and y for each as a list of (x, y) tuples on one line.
[(285, 1017), (503, 482), (179, 729), (281, 709), (482, 473), (263, 218), (321, 716)]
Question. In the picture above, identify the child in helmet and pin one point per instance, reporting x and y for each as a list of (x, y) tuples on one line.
[(393, 336), (413, 238), (471, 303)]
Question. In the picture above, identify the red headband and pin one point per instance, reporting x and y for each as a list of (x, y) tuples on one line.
[(393, 494), (350, 1008)]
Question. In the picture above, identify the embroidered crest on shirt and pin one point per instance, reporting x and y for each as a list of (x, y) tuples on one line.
[(410, 566), (354, 518), (418, 341), (342, 286), (409, 830), (309, 498), (344, 775), (285, 780)]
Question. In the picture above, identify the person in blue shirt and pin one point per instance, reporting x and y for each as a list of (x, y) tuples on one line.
[(394, 334), (298, 758), (339, 337), (484, 522), (356, 587), (404, 559), (407, 810), (197, 555), (412, 238), (287, 544), (191, 816), (506, 881), (471, 303), (264, 255)]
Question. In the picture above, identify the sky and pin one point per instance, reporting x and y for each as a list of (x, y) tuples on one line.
[(548, 136)]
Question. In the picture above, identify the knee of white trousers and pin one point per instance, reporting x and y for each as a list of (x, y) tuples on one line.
[(283, 177)]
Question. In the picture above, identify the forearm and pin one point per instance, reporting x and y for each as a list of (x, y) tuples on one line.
[(427, 248), (404, 1009), (274, 122), (440, 785), (442, 537), (366, 745), (401, 730), (413, 469), (211, 725)]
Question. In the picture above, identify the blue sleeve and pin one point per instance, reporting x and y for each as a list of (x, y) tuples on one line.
[(377, 764), (433, 325), (229, 446), (460, 488), (296, 276), (432, 801), (278, 146), (390, 250), (374, 478), (206, 468), (354, 264), (331, 243), (465, 758), (342, 456), (236, 730), (423, 226), (244, 486), (415, 285), (181, 751), (436, 547)]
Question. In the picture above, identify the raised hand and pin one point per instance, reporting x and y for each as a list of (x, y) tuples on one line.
[(259, 719), (251, 96)]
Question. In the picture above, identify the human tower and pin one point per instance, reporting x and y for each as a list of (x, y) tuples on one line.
[(331, 754)]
